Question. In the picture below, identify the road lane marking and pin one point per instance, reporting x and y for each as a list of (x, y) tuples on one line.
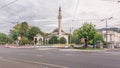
[(114, 53), (69, 54), (47, 64), (44, 48), (39, 55), (21, 54)]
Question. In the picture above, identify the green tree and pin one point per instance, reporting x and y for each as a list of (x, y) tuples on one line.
[(53, 40), (24, 29), (9, 40), (33, 31), (75, 40), (20, 29), (15, 32), (99, 37), (4, 39), (24, 41), (87, 31), (63, 40)]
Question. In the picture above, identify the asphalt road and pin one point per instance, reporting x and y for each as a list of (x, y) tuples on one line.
[(57, 58)]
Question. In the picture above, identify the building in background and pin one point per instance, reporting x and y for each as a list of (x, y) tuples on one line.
[(113, 37), (38, 40)]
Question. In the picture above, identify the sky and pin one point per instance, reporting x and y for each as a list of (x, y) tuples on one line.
[(44, 13)]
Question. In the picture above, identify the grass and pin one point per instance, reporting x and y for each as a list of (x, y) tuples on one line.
[(89, 48)]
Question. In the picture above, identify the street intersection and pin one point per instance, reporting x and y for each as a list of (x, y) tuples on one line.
[(58, 58)]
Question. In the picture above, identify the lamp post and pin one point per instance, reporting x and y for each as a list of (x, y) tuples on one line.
[(70, 35), (106, 20)]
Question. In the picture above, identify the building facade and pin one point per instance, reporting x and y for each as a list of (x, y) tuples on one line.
[(38, 40), (112, 37)]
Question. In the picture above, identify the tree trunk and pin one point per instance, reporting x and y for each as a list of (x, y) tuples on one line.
[(86, 43)]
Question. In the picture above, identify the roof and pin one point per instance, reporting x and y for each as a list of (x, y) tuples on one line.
[(57, 30), (38, 35)]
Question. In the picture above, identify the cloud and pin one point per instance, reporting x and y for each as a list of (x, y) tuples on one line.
[(44, 13)]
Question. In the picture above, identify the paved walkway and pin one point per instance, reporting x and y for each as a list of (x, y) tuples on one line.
[(39, 47)]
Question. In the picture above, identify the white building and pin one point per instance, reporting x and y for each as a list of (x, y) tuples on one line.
[(59, 32), (112, 37), (38, 40)]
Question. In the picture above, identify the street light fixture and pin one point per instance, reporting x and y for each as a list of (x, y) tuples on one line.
[(106, 20)]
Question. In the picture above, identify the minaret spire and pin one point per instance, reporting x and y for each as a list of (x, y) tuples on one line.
[(59, 20), (59, 8)]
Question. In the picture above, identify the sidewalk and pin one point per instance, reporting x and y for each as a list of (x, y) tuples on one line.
[(61, 48), (85, 50), (29, 46), (15, 46)]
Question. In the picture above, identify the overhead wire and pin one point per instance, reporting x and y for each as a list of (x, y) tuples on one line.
[(8, 4), (75, 11)]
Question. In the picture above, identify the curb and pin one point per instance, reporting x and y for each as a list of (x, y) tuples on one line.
[(88, 50)]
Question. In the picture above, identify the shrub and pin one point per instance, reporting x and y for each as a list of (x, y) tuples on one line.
[(63, 40), (2, 43), (25, 41)]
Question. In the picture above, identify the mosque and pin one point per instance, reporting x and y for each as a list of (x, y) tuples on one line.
[(57, 32)]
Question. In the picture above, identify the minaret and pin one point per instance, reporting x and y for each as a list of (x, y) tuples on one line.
[(59, 21)]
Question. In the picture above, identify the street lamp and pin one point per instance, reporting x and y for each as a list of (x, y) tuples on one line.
[(106, 20)]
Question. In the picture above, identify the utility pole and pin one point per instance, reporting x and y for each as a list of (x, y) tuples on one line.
[(106, 20), (106, 32), (70, 35)]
